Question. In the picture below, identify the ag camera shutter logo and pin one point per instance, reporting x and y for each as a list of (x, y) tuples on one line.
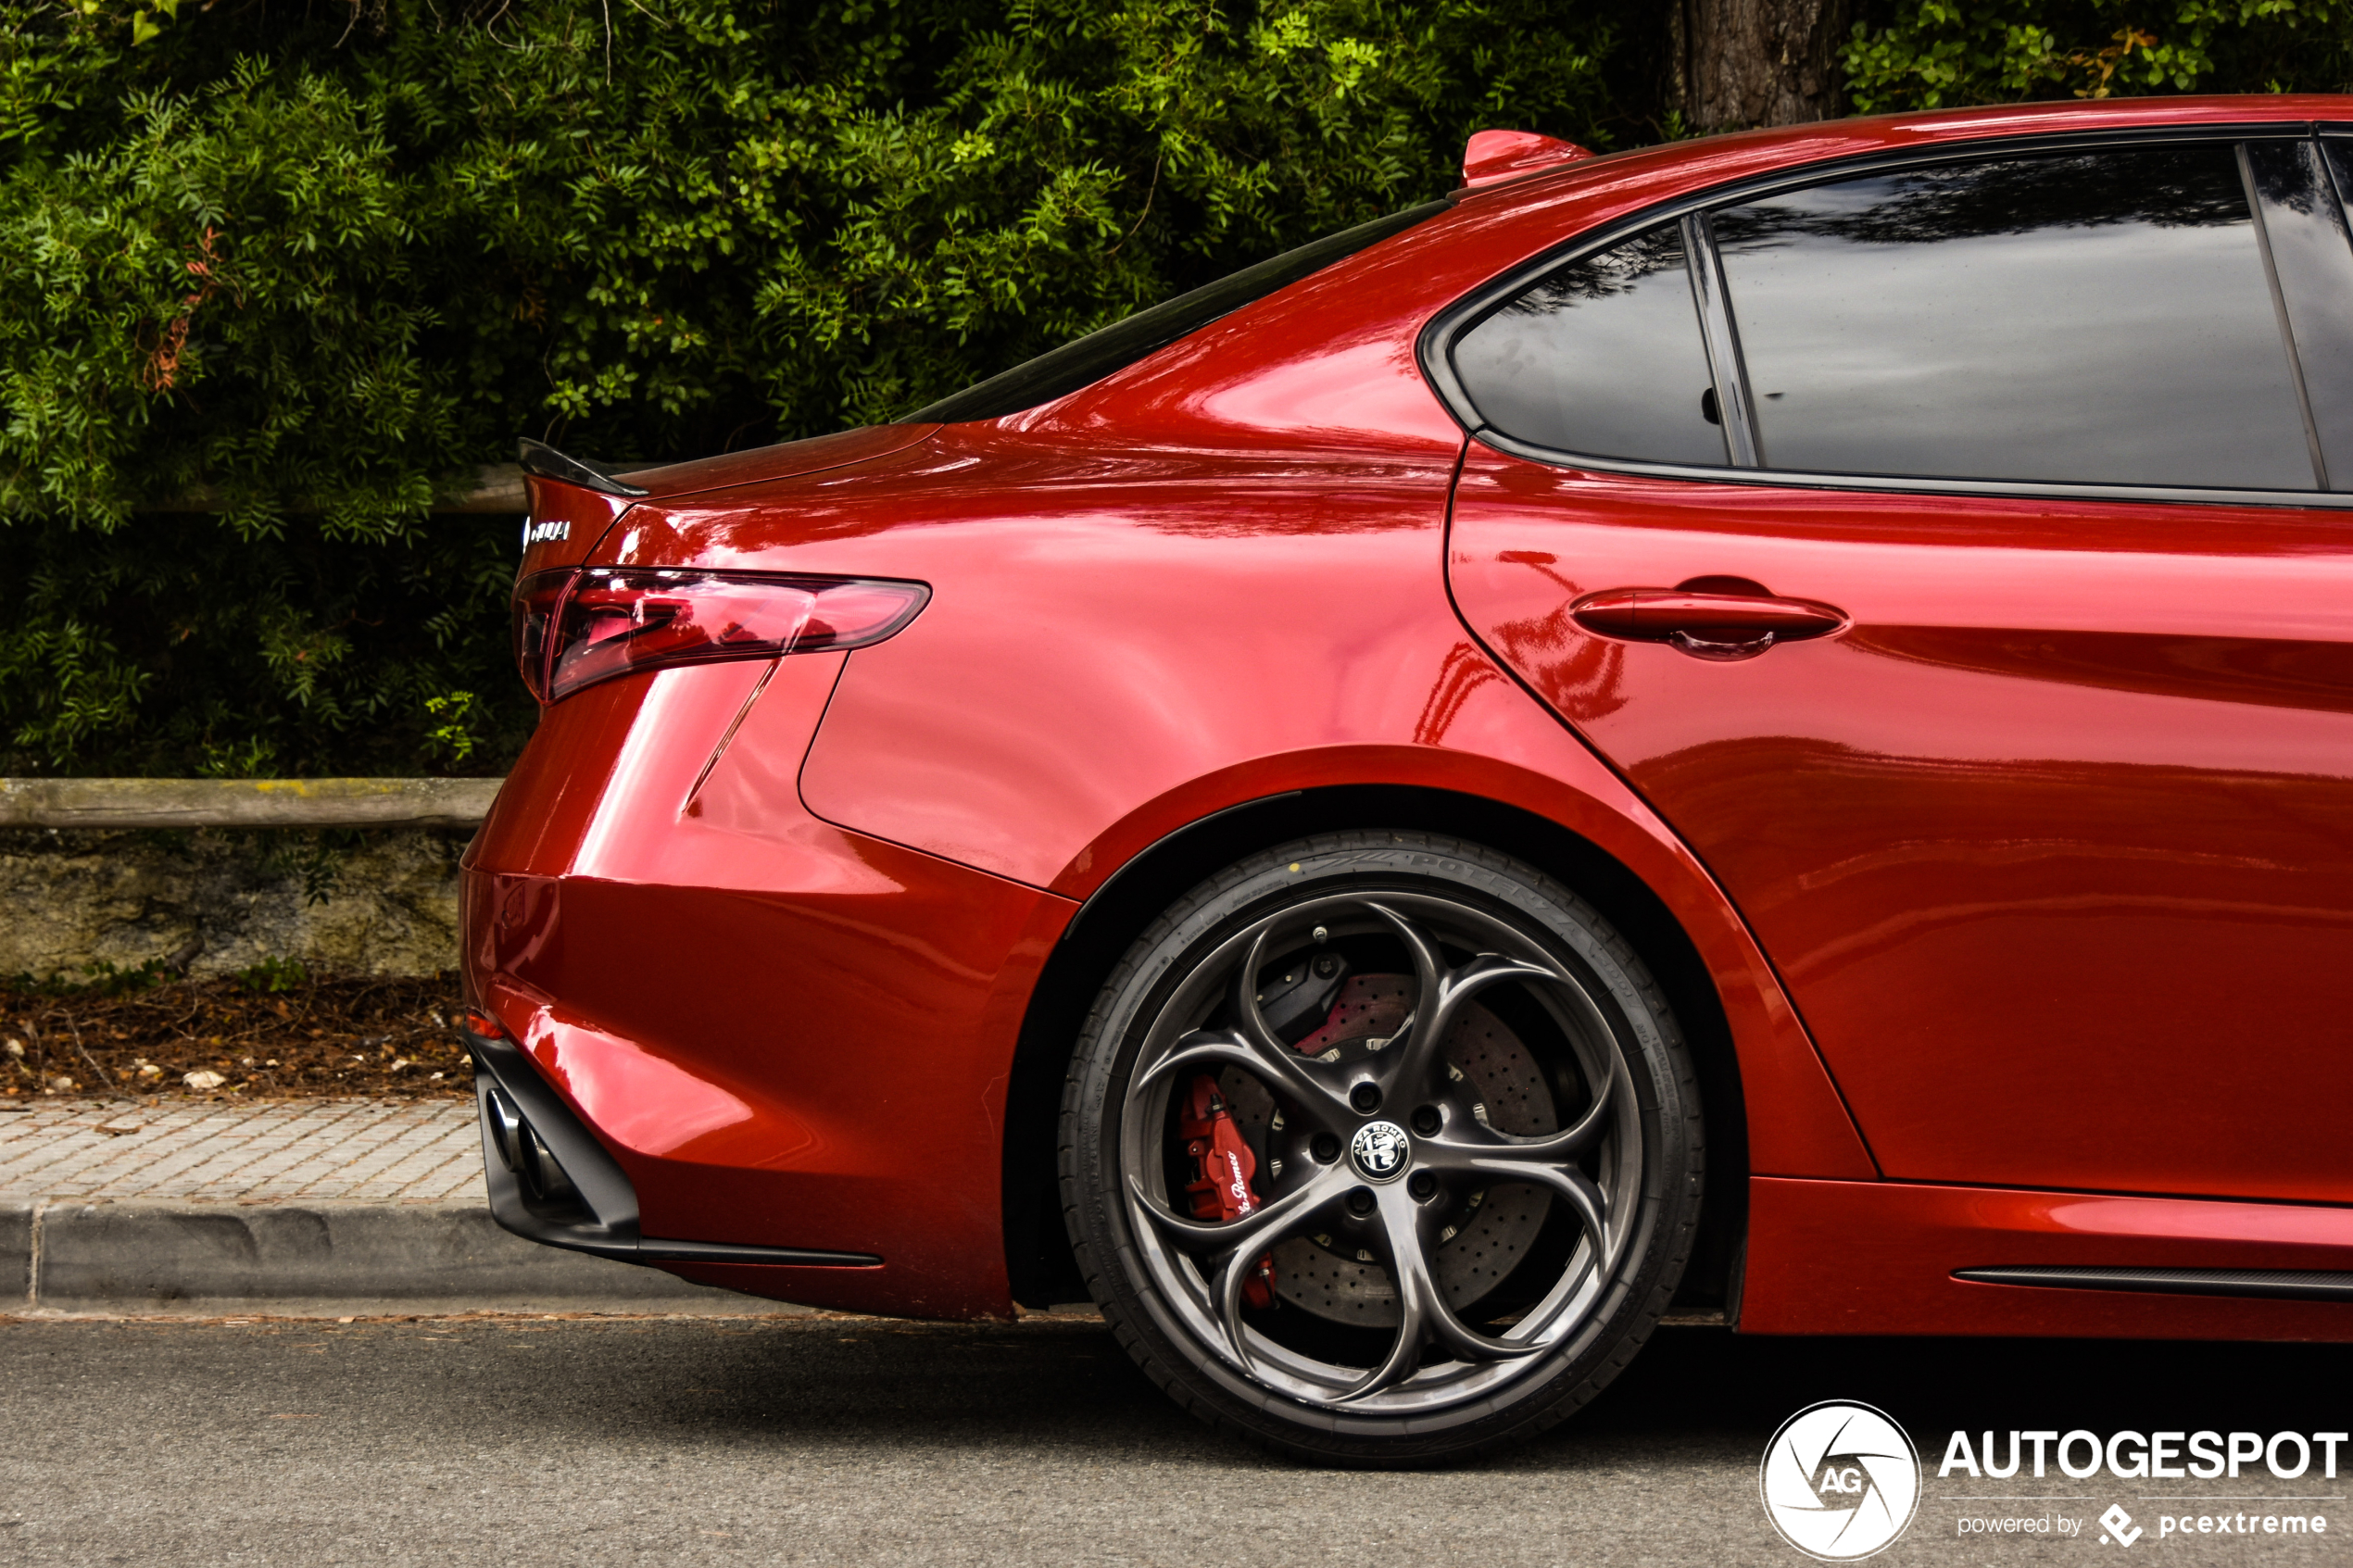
[(1840, 1481)]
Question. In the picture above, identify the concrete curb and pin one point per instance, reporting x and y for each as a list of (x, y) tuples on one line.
[(294, 1259), (111, 804)]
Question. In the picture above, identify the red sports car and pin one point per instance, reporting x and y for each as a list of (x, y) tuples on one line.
[(1759, 726)]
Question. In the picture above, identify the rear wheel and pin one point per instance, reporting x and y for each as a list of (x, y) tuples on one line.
[(1381, 1148)]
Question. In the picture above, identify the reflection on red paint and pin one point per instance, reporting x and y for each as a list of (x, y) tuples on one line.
[(653, 1106)]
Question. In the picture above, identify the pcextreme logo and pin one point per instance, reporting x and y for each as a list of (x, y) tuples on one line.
[(1840, 1480)]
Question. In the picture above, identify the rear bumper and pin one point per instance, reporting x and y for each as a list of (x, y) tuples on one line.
[(551, 1182), (767, 1054)]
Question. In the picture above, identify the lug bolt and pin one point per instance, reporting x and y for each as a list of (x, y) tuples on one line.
[(1365, 1098), (1360, 1202), (1325, 1149), (1427, 1121), (1326, 965), (1422, 1184)]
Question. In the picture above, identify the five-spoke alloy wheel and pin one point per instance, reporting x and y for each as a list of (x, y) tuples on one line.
[(1459, 1170)]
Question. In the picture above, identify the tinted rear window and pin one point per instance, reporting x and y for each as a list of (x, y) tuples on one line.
[(2101, 317), (1602, 356), (1059, 371)]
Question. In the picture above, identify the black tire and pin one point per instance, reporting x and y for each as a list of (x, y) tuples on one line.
[(1551, 1306)]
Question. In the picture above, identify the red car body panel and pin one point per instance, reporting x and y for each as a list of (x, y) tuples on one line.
[(1877, 1258), (759, 1014), (773, 929), (2052, 838), (819, 453), (582, 515)]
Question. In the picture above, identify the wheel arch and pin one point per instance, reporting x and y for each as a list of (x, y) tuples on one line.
[(1038, 1262)]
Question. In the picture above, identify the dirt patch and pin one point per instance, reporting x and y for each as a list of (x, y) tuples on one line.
[(387, 1038)]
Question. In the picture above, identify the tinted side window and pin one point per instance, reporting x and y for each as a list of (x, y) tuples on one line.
[(2095, 317), (1602, 356)]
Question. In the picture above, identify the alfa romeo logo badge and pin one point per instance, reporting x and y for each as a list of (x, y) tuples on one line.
[(1379, 1149)]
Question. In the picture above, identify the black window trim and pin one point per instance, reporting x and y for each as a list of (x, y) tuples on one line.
[(1434, 347), (2279, 312), (1721, 338)]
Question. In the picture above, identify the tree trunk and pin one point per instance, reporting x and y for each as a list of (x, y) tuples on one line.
[(1740, 63)]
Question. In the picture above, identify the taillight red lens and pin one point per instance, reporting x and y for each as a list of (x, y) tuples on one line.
[(601, 622), (536, 597)]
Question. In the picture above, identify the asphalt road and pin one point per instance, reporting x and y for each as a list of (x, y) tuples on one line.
[(863, 1441)]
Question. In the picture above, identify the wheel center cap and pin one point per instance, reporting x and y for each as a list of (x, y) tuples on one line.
[(1378, 1150)]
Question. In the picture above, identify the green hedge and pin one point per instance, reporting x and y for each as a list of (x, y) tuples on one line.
[(321, 269)]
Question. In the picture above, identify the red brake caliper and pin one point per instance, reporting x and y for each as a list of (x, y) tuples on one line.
[(1223, 1168)]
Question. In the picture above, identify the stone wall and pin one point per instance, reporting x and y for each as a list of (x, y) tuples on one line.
[(382, 901)]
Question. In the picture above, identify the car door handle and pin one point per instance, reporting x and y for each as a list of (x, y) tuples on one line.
[(1706, 626)]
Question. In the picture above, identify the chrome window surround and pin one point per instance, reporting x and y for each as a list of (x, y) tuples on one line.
[(1434, 347)]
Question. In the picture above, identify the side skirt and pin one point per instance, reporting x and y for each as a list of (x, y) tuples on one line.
[(1910, 1257), (2292, 1285)]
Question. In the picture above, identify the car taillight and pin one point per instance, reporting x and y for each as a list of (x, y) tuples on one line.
[(535, 613), (574, 629)]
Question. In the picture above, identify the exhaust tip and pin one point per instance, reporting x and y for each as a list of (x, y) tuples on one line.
[(524, 1153)]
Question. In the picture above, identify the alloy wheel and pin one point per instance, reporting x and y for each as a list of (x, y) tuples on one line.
[(1460, 1168)]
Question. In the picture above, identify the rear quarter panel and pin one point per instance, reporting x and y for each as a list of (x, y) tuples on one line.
[(1120, 644)]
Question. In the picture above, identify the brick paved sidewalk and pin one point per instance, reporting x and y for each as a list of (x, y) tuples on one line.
[(307, 1207), (379, 1151)]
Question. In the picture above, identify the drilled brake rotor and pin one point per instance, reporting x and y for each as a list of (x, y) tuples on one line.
[(1500, 1224)]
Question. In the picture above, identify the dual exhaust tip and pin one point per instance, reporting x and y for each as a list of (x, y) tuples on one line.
[(523, 1152)]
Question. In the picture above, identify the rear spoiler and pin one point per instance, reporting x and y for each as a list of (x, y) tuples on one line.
[(539, 458)]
